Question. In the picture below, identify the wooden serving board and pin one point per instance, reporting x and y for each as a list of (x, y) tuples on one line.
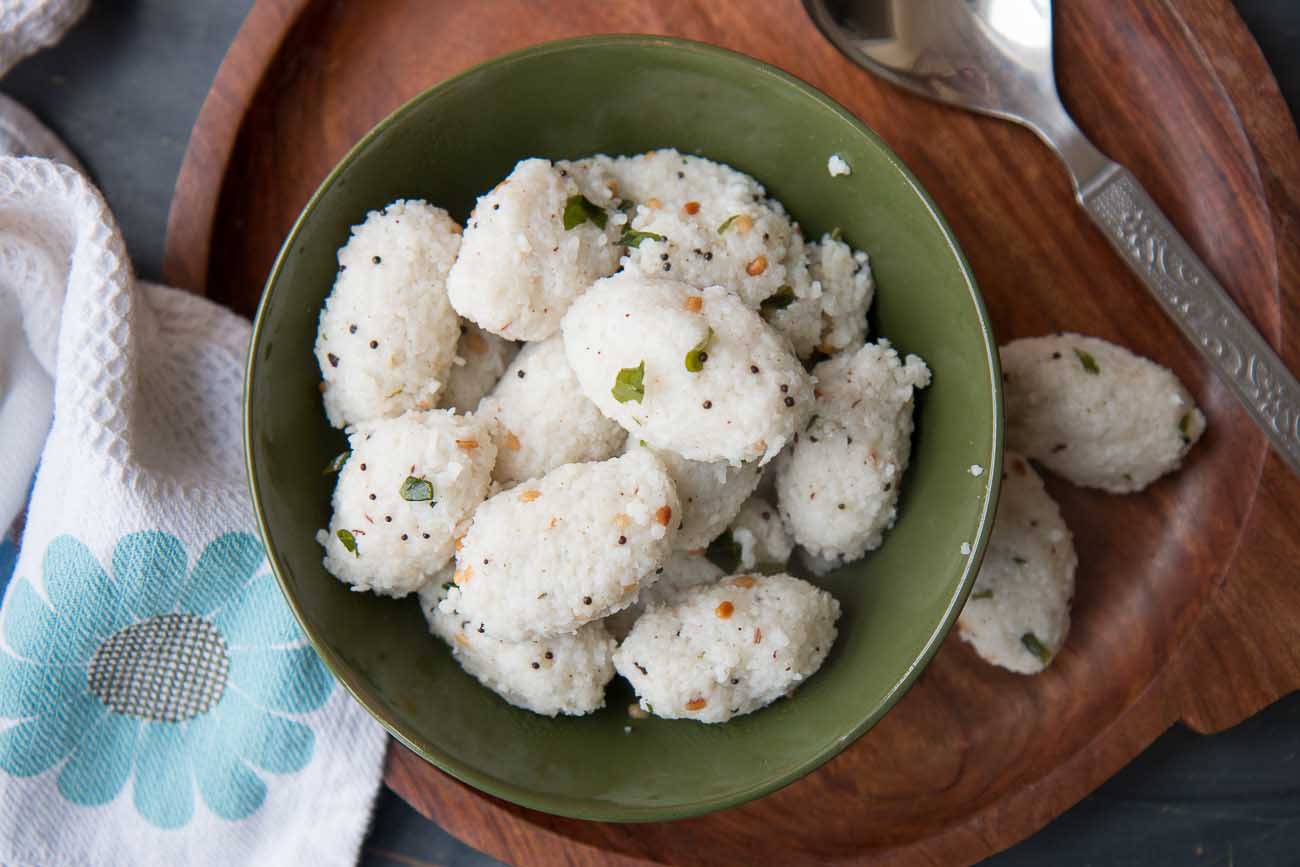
[(1188, 601)]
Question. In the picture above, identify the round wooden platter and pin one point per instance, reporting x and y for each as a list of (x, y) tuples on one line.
[(1187, 602)]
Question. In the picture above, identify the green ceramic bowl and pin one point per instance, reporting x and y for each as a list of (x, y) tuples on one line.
[(623, 95)]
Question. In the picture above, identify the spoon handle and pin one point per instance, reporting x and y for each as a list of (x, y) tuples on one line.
[(1198, 304)]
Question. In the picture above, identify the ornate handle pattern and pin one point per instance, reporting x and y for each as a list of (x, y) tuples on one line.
[(1196, 302)]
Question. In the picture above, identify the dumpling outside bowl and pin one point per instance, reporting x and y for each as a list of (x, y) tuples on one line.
[(625, 95)]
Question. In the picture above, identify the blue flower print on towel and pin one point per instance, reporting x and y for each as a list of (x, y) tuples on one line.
[(149, 673)]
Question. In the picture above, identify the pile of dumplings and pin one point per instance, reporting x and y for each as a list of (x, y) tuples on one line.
[(591, 428)]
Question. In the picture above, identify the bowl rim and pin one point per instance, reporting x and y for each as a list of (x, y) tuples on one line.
[(583, 808)]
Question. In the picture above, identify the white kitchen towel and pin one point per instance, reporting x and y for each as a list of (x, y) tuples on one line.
[(26, 366), (26, 361), (27, 26), (159, 704)]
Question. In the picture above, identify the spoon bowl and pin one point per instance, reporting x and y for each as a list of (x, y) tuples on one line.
[(989, 56), (992, 56)]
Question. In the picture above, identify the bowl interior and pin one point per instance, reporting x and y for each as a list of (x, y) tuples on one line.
[(621, 95)]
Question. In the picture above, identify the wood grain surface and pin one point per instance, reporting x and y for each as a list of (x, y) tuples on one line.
[(1188, 599)]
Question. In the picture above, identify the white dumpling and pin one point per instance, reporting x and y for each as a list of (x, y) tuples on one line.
[(387, 334), (739, 396)]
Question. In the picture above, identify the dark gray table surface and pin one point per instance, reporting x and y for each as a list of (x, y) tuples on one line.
[(124, 89)]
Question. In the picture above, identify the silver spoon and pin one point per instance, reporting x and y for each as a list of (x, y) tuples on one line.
[(995, 57)]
